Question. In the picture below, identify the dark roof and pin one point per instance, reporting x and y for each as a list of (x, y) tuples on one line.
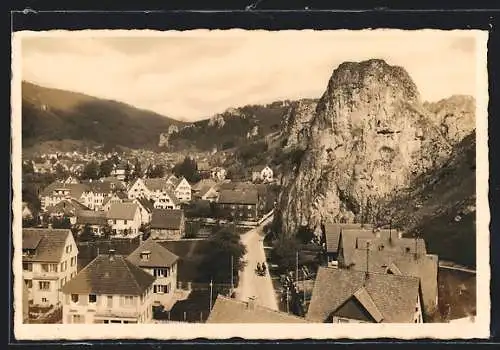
[(146, 203), (66, 206), (236, 185), (391, 241), (423, 266), (388, 298), (203, 183), (238, 197), (49, 244), (349, 239), (123, 211), (104, 275), (75, 190), (91, 217), (167, 218), (227, 310), (332, 234), (159, 255)]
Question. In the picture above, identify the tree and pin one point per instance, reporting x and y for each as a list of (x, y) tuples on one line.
[(28, 168), (146, 231), (60, 172), (137, 169), (90, 171), (221, 247), (305, 234), (284, 253), (188, 169), (106, 231), (128, 173), (157, 171), (87, 234), (105, 168)]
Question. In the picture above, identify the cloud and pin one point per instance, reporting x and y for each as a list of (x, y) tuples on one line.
[(194, 75)]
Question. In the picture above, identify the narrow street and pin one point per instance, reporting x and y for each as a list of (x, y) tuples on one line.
[(251, 284)]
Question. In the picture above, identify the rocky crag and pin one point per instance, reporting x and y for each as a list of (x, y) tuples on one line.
[(369, 136)]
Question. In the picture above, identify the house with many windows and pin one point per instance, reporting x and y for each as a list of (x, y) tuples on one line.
[(161, 263), (181, 188), (236, 204), (158, 190), (110, 289), (49, 262)]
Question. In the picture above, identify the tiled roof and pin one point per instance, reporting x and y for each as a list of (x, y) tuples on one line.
[(67, 206), (228, 310), (91, 217), (423, 266), (238, 197), (167, 219), (394, 297), (112, 276), (76, 190), (394, 243), (49, 244), (146, 203), (349, 239), (159, 255), (332, 234), (156, 184), (203, 183), (122, 211)]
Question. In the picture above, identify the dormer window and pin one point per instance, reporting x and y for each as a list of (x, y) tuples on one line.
[(145, 255)]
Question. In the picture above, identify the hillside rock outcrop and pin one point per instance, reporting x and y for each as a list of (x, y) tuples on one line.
[(368, 137), (295, 124)]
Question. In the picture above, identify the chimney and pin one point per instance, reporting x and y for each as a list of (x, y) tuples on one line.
[(251, 303), (111, 254)]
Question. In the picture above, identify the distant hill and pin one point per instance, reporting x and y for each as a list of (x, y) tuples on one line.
[(232, 128), (56, 115)]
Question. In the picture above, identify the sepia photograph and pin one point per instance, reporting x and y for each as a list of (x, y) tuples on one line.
[(250, 183)]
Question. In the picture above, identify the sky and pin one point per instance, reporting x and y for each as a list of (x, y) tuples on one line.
[(192, 75)]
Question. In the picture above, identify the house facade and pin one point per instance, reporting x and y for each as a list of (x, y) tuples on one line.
[(182, 189), (263, 173), (159, 262), (218, 173), (146, 208), (168, 224), (49, 262), (95, 220), (110, 289), (124, 219), (238, 205)]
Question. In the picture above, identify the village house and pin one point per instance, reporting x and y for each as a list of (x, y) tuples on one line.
[(206, 190), (228, 310), (218, 173), (95, 220), (181, 188), (204, 169), (43, 168), (238, 204), (167, 224), (71, 180), (262, 174), (58, 190), (161, 263), (67, 208), (119, 171), (146, 208), (158, 190), (49, 262), (331, 238), (124, 219), (110, 289), (116, 197), (349, 296)]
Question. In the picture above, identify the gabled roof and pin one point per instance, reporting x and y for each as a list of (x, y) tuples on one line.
[(110, 275), (228, 310), (122, 211), (75, 190), (349, 239), (156, 184), (393, 242), (67, 206), (167, 219), (145, 203), (159, 255), (177, 181), (393, 296), (238, 197), (332, 234), (91, 217), (49, 244), (203, 183)]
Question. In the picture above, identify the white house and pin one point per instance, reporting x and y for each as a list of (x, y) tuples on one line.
[(138, 189), (124, 219), (49, 262), (146, 208), (218, 173), (262, 173), (181, 188), (110, 289), (161, 263)]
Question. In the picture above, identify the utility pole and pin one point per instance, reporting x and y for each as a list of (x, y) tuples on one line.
[(211, 285), (232, 273), (297, 268)]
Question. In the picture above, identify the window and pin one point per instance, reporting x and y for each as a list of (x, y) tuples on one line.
[(109, 301), (27, 266), (74, 298), (128, 300), (92, 298), (161, 289), (64, 265), (160, 272), (77, 319), (114, 221), (124, 222), (49, 267), (249, 207), (28, 283), (68, 248), (145, 255), (44, 285), (44, 300)]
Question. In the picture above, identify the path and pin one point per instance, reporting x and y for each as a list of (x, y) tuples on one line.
[(252, 285)]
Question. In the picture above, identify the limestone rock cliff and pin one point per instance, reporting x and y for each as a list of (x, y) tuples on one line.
[(368, 136), (295, 124)]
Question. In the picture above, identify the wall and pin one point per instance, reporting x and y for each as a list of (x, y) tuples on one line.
[(166, 234), (140, 311), (132, 225), (171, 279)]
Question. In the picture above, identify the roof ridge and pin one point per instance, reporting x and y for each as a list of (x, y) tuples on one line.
[(125, 262), (371, 273)]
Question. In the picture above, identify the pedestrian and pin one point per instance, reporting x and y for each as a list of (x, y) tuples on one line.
[(264, 267), (258, 267)]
